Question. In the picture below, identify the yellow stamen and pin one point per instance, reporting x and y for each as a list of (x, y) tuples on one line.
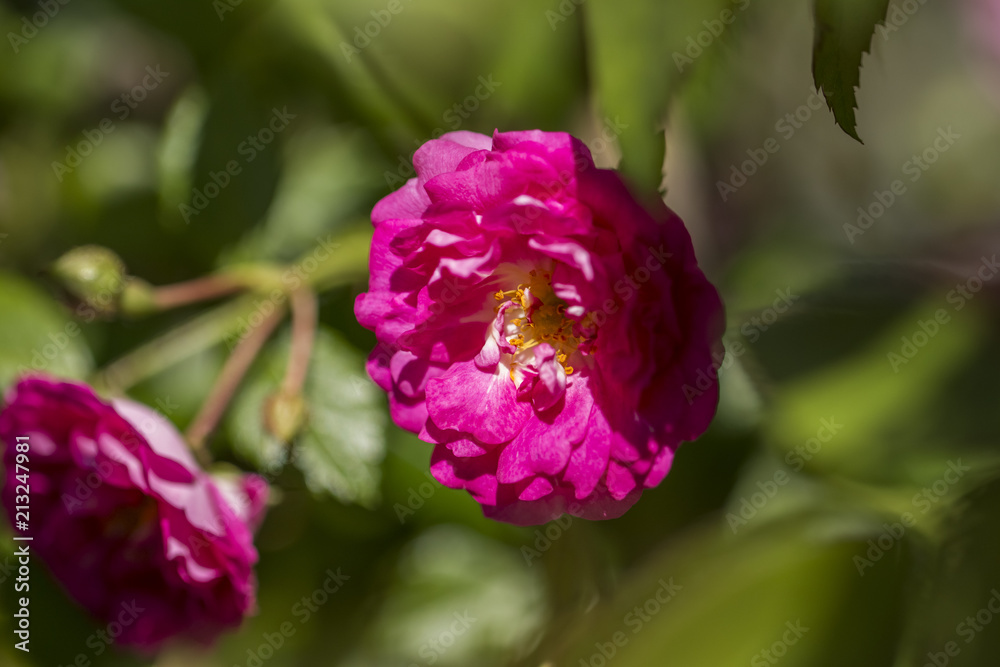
[(544, 319)]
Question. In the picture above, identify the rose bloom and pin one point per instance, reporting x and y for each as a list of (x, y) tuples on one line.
[(125, 518), (553, 338)]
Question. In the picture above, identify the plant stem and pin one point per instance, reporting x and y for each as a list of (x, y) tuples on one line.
[(176, 345), (192, 291), (304, 318), (345, 260), (229, 379)]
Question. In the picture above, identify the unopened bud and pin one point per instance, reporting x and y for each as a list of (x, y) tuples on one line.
[(94, 275), (284, 415)]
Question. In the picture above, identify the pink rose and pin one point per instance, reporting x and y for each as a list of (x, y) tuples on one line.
[(549, 335), (125, 518)]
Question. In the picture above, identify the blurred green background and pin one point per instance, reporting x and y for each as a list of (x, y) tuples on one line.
[(841, 510)]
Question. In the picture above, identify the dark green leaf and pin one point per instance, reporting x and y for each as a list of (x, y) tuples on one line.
[(343, 442), (843, 34), (714, 600), (955, 619)]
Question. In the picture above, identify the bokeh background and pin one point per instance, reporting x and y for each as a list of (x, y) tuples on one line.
[(842, 509)]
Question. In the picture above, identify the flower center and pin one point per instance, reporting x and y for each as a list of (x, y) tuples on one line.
[(536, 316)]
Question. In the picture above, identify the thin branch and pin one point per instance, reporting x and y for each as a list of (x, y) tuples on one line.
[(229, 379), (193, 291), (304, 320), (188, 339)]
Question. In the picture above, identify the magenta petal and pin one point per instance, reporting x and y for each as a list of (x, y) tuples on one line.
[(539, 488), (528, 454), (546, 442), (406, 412), (439, 156), (661, 466), (521, 512), (466, 448), (255, 490), (551, 383), (488, 357), (472, 474), (526, 389), (411, 373), (483, 404), (602, 506), (568, 252), (620, 481), (162, 436), (589, 460), (473, 140), (408, 202)]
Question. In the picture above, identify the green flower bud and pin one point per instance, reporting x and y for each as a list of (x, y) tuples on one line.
[(93, 275)]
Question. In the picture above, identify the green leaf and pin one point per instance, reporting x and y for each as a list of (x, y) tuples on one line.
[(458, 598), (342, 444), (843, 34), (637, 55), (178, 149), (36, 336), (883, 410), (327, 183), (712, 600), (344, 439), (959, 588)]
